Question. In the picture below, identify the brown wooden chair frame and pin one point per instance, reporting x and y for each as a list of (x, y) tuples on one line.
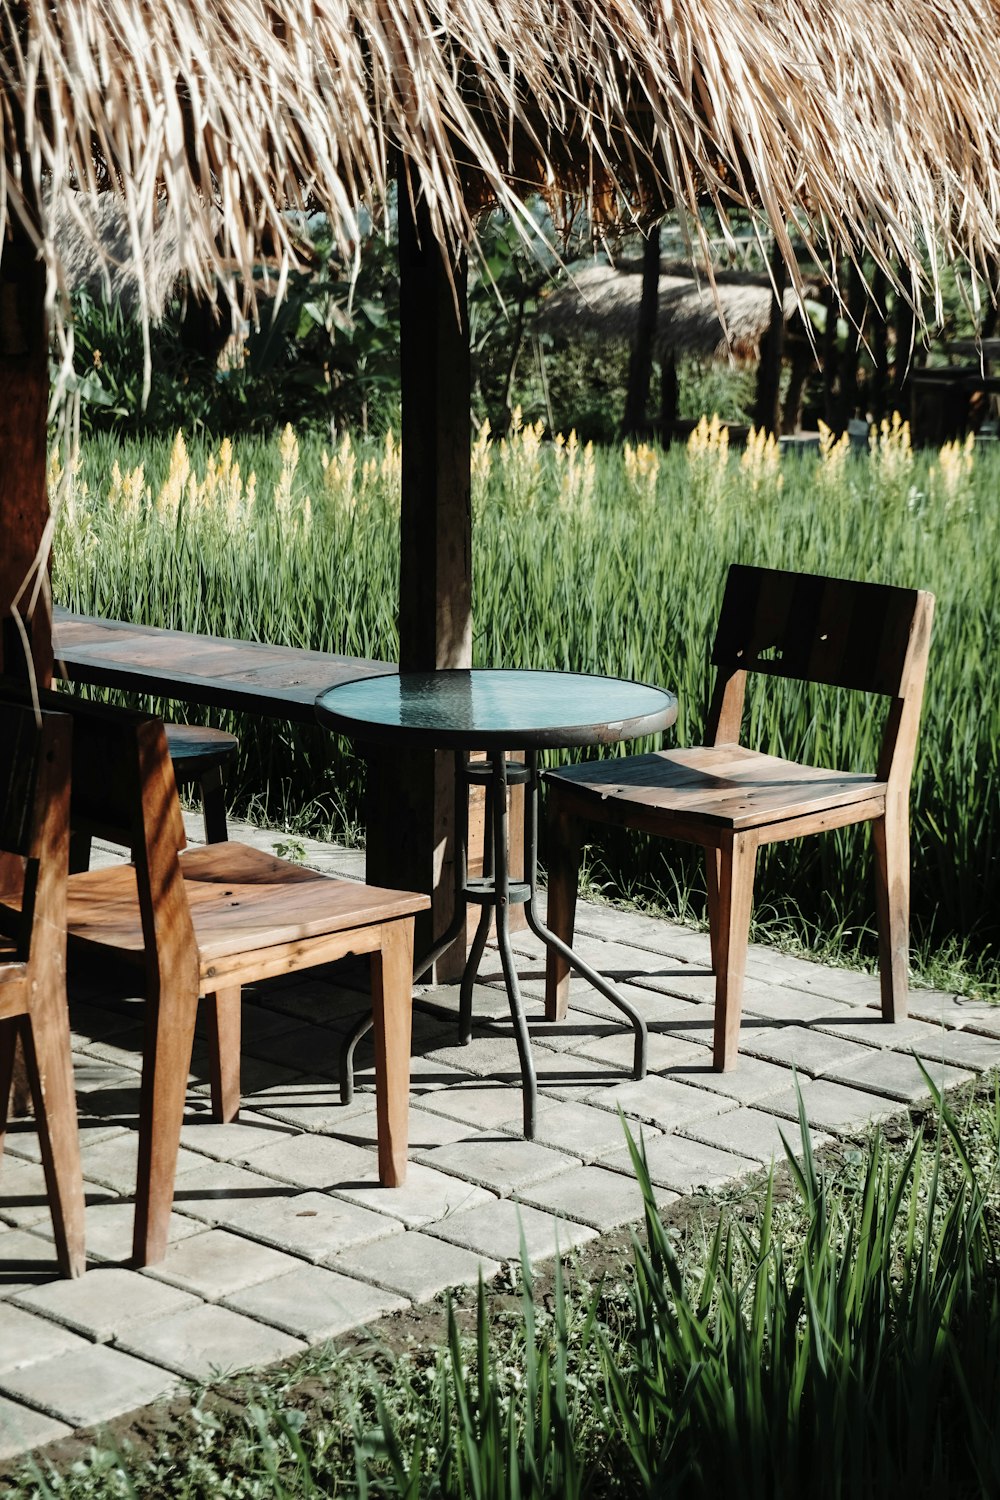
[(34, 838), (124, 790), (730, 800)]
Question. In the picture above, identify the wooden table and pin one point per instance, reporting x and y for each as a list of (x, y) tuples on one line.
[(280, 682)]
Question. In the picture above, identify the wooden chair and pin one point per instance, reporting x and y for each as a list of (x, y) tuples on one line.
[(34, 838), (732, 800), (204, 923)]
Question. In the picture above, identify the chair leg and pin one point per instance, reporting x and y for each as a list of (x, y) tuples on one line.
[(8, 1049), (213, 797), (166, 1060), (224, 1043), (736, 872), (713, 858), (392, 1001), (891, 839), (563, 849), (47, 1055)]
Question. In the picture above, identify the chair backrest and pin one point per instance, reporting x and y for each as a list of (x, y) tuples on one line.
[(34, 831), (870, 637), (123, 789)]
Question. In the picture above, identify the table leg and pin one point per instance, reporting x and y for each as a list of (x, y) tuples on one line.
[(501, 885)]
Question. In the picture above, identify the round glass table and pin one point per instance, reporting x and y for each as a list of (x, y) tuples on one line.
[(497, 711)]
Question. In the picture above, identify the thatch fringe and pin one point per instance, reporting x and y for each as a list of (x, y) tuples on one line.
[(873, 124)]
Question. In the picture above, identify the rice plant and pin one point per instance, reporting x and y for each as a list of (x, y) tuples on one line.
[(605, 561)]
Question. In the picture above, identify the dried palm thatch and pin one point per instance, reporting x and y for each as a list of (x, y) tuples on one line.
[(878, 122), (724, 322)]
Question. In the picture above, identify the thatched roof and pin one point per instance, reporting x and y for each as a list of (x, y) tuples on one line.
[(879, 120), (726, 321)]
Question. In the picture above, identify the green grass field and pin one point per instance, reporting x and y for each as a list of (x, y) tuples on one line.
[(607, 561)]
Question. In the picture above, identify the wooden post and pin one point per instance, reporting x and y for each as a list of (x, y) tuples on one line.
[(640, 365), (411, 799), (24, 504), (24, 399), (765, 411)]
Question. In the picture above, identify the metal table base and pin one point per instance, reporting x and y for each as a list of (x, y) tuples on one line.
[(496, 893)]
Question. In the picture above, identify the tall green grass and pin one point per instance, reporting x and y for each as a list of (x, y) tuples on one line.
[(607, 562)]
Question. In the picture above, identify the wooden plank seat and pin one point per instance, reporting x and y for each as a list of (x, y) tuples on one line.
[(732, 799), (206, 921), (34, 840)]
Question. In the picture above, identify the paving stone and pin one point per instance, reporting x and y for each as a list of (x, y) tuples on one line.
[(217, 1187), (314, 1226), (502, 1163), (662, 1101), (316, 1304), (217, 1263), (27, 1259), (751, 1133), (795, 1008), (105, 1302), (25, 1337), (752, 1081), (638, 930), (312, 1104), (311, 1161), (22, 1429), (495, 1230), (22, 1137), (124, 1050), (588, 1133), (426, 1196), (965, 1048), (833, 1106), (257, 1075), (205, 1341), (88, 1385), (114, 1163), (684, 1165), (99, 1023), (24, 1199), (845, 985), (418, 1266), (665, 1053), (482, 1106), (591, 1195), (305, 1049), (93, 1078), (488, 1001), (572, 1075), (813, 1053), (231, 1142), (425, 1129), (108, 1230), (897, 1076), (958, 1011)]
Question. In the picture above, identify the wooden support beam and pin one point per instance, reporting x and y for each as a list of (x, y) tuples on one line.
[(411, 802), (24, 398)]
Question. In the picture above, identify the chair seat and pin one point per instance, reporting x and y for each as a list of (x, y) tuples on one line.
[(196, 748), (240, 899), (726, 786)]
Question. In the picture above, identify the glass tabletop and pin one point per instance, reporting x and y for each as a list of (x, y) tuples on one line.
[(513, 709)]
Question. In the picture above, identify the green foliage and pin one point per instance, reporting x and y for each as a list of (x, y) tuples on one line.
[(835, 1333), (603, 562)]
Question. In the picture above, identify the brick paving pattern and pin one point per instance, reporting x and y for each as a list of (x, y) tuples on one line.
[(281, 1235)]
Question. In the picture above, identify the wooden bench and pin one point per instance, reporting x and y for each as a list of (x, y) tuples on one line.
[(278, 682)]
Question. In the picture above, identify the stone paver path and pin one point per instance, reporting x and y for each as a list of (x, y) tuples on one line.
[(281, 1234)]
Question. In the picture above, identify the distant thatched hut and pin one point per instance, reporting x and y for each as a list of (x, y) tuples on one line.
[(726, 320)]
